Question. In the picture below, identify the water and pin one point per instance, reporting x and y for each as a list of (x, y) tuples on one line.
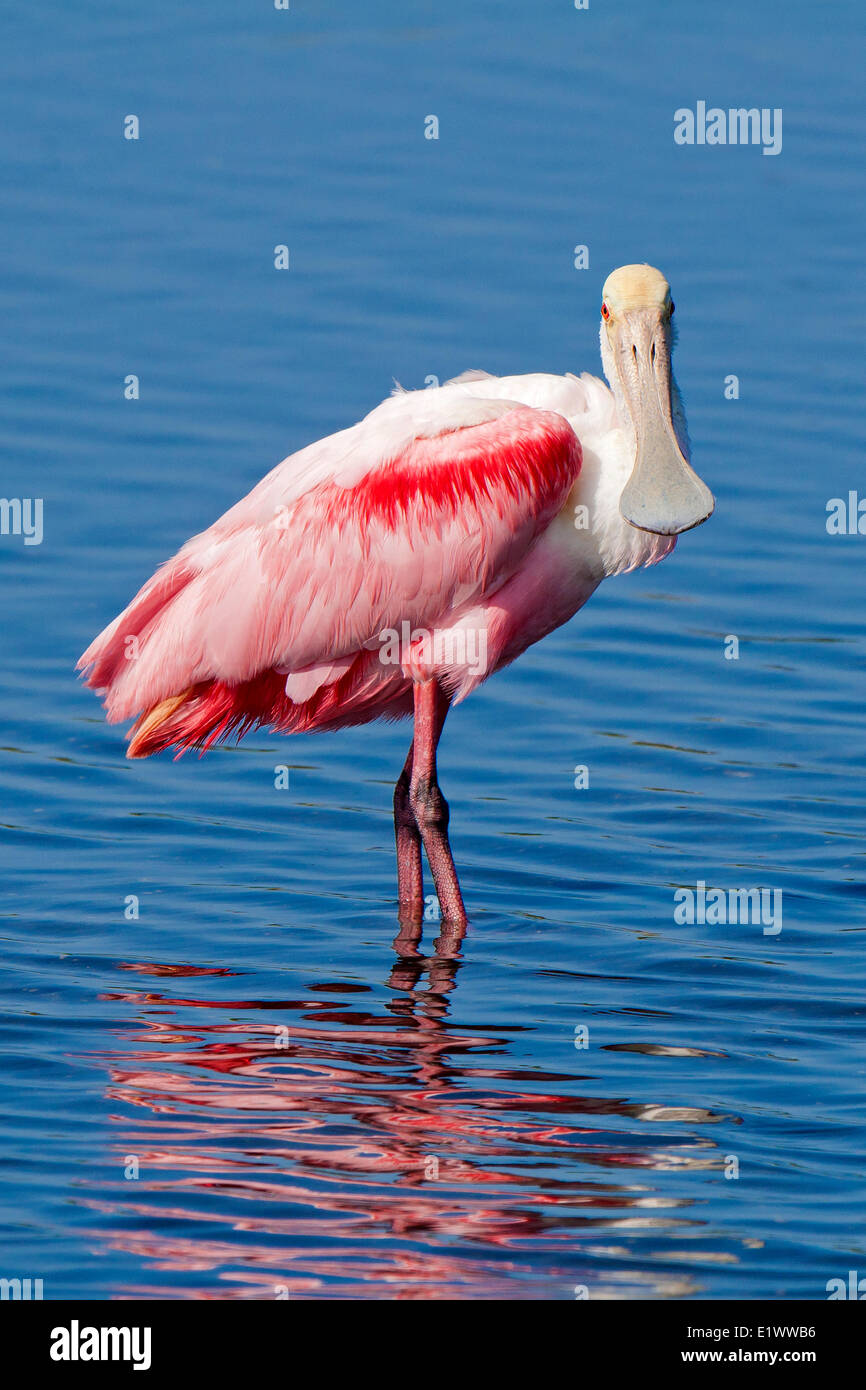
[(308, 1108)]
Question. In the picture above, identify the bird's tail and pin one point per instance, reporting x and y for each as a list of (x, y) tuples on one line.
[(152, 732), (213, 710), (207, 713)]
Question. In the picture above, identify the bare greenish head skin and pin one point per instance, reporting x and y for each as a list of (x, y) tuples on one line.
[(663, 494)]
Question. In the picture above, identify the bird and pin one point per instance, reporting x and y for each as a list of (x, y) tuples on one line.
[(387, 570)]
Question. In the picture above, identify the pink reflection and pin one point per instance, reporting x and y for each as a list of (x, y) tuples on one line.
[(339, 1152)]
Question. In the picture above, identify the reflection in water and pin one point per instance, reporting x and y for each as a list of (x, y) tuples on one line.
[(340, 1152)]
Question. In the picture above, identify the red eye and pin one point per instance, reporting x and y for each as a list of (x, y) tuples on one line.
[(605, 312)]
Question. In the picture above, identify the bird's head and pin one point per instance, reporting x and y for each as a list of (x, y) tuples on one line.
[(663, 494)]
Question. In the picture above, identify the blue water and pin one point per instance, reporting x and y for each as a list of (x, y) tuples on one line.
[(309, 1110)]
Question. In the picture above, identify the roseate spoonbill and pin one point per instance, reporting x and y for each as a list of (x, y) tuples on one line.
[(391, 567)]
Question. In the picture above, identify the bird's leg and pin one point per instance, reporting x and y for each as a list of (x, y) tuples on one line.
[(410, 883), (427, 802)]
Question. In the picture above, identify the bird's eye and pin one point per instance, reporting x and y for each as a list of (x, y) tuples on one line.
[(605, 312), (671, 310)]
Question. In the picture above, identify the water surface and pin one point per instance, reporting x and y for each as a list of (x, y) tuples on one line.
[(313, 1104)]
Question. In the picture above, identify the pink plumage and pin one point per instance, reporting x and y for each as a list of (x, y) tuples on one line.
[(274, 615)]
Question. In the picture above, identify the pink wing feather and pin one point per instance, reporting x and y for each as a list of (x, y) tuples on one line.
[(361, 532)]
